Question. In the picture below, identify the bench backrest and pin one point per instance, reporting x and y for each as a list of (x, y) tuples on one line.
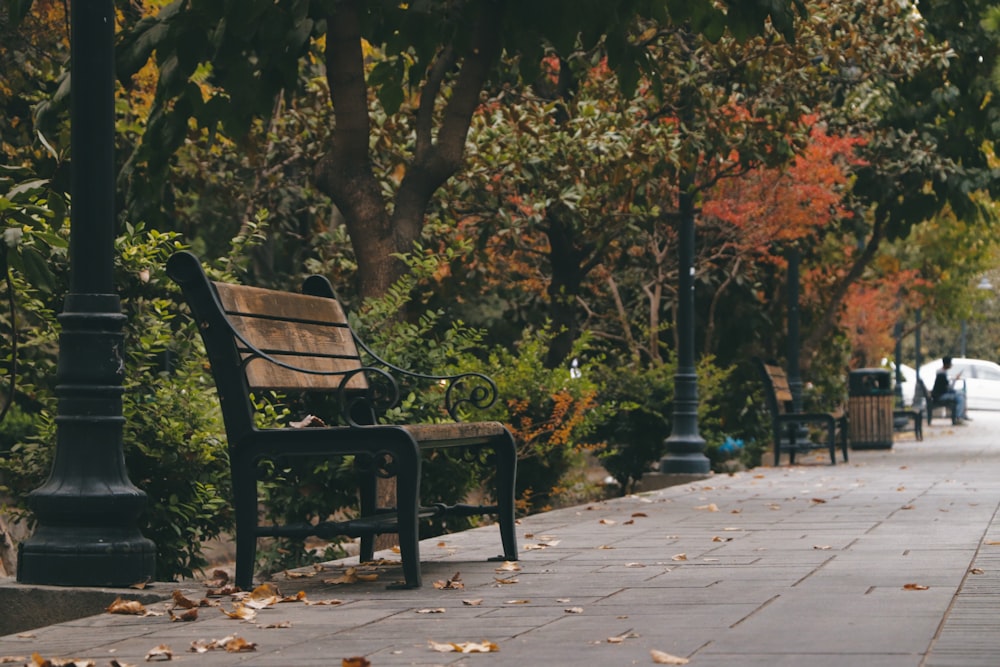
[(776, 388), (307, 341)]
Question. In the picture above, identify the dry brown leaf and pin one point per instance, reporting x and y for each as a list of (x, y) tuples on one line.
[(518, 602), (39, 661), (298, 597), (661, 658), (607, 522), (309, 421), (635, 565), (142, 585), (356, 661), (240, 612), (906, 507), (505, 581), (605, 546), (10, 659), (118, 663), (229, 589), (711, 507), (436, 610), (229, 643), (508, 566), (680, 557), (915, 587), (464, 647), (239, 645), (453, 584), (352, 576), (722, 539), (294, 574), (628, 522), (472, 603), (188, 615), (638, 515), (183, 602), (977, 570), (822, 547), (992, 542), (280, 625), (161, 652), (618, 639), (318, 603), (121, 606), (573, 610), (818, 501)]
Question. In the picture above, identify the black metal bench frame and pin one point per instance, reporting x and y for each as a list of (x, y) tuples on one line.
[(931, 404), (786, 426), (264, 339)]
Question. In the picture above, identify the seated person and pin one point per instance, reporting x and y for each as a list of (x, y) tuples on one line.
[(944, 389)]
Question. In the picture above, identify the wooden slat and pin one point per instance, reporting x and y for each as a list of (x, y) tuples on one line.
[(780, 382), (307, 332)]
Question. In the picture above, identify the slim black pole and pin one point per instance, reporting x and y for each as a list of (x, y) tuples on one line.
[(897, 332), (685, 446), (794, 335), (87, 509)]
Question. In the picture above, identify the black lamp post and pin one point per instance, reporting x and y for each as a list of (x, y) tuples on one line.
[(794, 334), (87, 509), (685, 446)]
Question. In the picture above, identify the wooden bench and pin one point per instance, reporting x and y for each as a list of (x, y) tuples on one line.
[(787, 426), (259, 339)]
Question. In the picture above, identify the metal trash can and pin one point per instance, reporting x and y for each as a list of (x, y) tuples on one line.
[(869, 408)]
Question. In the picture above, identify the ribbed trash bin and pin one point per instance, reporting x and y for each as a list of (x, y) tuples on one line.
[(869, 408)]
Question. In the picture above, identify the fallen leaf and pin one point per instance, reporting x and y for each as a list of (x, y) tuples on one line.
[(722, 539), (607, 522), (10, 659), (822, 547), (309, 421), (351, 576), (628, 522), (142, 585), (183, 602), (573, 610), (120, 606), (915, 587), (508, 566), (605, 546), (977, 570), (634, 565), (563, 600), (436, 610), (508, 580), (818, 501), (680, 557), (298, 597), (188, 615), (297, 574), (161, 652), (518, 602), (240, 612), (472, 603), (442, 544), (229, 643), (661, 658), (222, 591), (637, 515), (618, 639), (711, 507), (278, 626), (455, 583), (356, 661), (464, 647), (992, 542), (118, 663), (774, 506), (318, 603)]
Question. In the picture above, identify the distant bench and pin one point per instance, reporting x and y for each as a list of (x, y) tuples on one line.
[(786, 425), (259, 339)]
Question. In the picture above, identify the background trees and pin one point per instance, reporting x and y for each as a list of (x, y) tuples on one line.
[(529, 159)]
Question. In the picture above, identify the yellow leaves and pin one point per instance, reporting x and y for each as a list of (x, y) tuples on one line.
[(463, 647)]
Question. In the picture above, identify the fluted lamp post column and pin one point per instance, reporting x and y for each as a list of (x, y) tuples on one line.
[(685, 446), (87, 509)]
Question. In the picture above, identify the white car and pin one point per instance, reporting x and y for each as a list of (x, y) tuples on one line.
[(980, 378)]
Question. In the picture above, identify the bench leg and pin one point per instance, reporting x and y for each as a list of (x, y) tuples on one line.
[(407, 458), (368, 500), (506, 462), (918, 425), (245, 506)]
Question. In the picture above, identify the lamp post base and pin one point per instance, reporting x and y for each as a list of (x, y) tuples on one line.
[(74, 556)]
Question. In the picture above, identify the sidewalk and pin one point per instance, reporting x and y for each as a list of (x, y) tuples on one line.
[(892, 560)]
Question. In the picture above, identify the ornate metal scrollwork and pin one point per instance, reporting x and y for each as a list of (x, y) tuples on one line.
[(380, 394), (469, 389)]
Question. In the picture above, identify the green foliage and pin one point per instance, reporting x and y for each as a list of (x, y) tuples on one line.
[(172, 443)]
